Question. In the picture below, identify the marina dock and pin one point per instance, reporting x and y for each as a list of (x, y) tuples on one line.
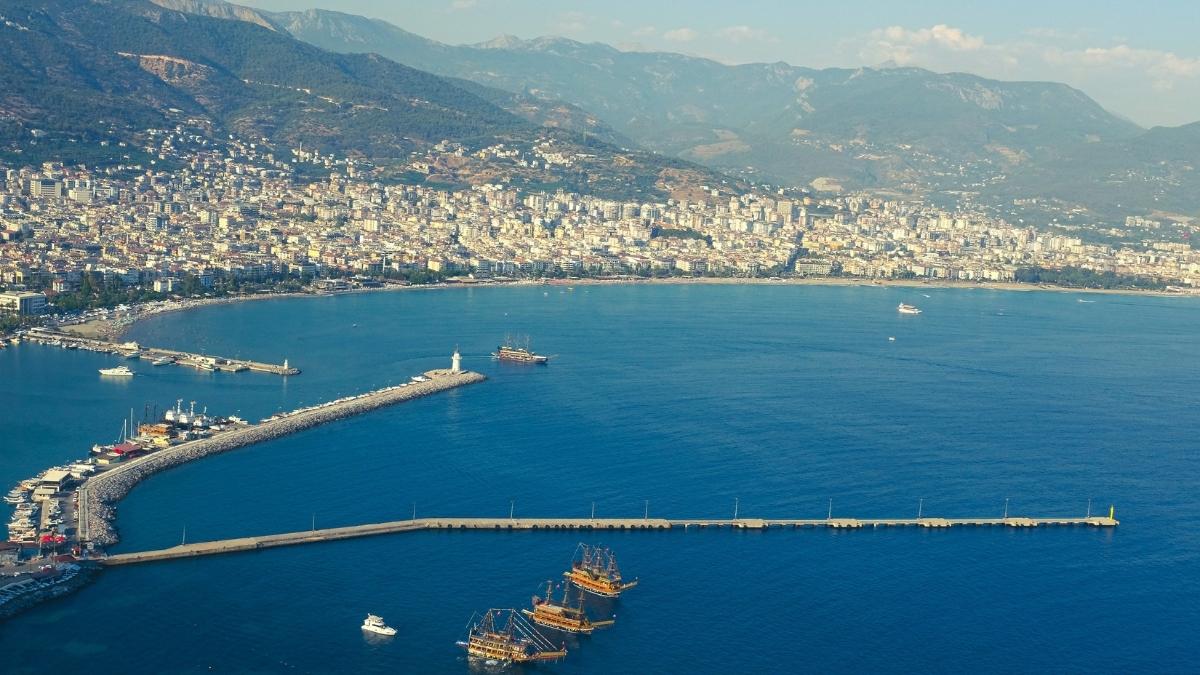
[(507, 524), (133, 350)]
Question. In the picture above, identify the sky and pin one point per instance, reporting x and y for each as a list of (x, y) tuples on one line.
[(1140, 60)]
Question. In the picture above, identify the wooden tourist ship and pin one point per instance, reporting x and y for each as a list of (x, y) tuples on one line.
[(562, 616), (501, 637), (595, 570), (518, 354)]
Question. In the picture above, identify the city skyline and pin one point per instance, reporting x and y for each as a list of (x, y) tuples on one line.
[(1138, 64)]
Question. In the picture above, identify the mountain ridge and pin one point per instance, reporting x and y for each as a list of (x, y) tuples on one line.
[(896, 128)]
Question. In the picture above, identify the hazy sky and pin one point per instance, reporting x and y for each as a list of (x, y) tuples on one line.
[(1138, 59)]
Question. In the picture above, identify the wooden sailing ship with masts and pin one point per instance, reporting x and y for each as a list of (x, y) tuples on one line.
[(502, 637), (562, 616), (510, 351), (595, 570)]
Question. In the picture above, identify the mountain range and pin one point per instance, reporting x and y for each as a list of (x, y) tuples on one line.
[(87, 70), (905, 129), (354, 84)]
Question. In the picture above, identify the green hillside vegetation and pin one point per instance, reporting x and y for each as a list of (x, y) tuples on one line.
[(66, 73), (1075, 277), (81, 71)]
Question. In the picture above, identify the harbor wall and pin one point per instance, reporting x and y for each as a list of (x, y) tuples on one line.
[(588, 524), (99, 496)]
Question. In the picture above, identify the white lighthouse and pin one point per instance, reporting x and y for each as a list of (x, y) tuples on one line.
[(456, 362)]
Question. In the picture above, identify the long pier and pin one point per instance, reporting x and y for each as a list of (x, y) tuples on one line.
[(100, 493), (506, 524), (176, 357)]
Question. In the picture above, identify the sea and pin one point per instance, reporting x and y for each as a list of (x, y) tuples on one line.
[(793, 401)]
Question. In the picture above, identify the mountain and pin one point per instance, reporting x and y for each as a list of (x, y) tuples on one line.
[(900, 128), (86, 70), (333, 31), (1158, 171), (698, 107), (83, 65)]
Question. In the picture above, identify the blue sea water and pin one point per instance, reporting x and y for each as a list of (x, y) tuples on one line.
[(685, 397)]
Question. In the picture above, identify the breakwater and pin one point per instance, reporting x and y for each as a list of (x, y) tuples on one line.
[(38, 592), (99, 495), (508, 524)]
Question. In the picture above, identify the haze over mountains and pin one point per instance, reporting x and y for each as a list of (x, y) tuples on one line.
[(902, 129)]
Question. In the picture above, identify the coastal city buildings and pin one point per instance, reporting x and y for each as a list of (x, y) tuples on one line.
[(239, 211), (22, 303)]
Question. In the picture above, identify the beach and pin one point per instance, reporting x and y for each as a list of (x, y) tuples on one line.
[(114, 326)]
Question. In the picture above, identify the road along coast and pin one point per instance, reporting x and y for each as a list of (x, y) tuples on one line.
[(99, 495)]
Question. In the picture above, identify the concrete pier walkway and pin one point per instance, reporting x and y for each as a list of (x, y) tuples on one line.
[(504, 524), (198, 361)]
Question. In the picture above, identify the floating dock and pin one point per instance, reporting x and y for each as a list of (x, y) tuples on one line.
[(506, 524), (134, 350)]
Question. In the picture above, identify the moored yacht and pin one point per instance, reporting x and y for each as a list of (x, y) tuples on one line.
[(907, 309), (119, 371)]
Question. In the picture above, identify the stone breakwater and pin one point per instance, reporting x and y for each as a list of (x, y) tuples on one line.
[(99, 496)]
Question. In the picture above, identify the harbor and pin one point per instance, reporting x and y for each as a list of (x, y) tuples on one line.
[(64, 517), (97, 497), (156, 355), (243, 544)]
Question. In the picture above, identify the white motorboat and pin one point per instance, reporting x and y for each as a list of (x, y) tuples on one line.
[(375, 624)]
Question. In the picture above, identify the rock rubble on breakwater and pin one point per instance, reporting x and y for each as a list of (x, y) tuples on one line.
[(98, 498)]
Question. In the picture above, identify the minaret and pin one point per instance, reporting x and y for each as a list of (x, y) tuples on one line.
[(456, 362)]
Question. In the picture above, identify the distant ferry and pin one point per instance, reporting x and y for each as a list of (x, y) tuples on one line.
[(907, 309), (119, 371)]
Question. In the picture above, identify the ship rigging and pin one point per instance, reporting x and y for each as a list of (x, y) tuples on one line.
[(501, 637), (595, 570), (562, 616)]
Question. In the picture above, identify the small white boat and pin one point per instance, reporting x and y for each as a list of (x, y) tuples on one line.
[(907, 309), (375, 624), (119, 371), (164, 361)]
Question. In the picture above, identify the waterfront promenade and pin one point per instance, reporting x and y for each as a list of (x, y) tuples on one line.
[(99, 495), (587, 524)]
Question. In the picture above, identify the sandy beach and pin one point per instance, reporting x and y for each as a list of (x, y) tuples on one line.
[(114, 326)]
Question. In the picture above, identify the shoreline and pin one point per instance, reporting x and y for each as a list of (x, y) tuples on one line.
[(115, 328)]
